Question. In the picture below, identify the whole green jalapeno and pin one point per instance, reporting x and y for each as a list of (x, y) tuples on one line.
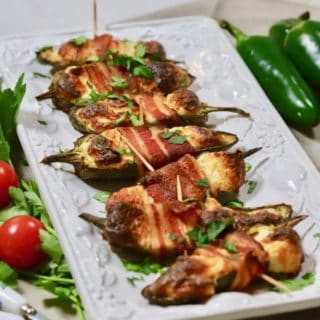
[(279, 78)]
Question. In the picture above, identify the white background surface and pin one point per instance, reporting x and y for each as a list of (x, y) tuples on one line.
[(34, 16)]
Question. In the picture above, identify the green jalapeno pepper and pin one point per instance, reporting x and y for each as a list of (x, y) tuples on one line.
[(302, 45), (279, 78), (279, 30)]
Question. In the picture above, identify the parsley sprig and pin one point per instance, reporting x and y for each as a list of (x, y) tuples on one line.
[(174, 137), (54, 275), (204, 236), (135, 65)]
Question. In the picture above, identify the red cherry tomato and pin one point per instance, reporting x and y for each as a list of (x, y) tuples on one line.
[(20, 243), (8, 178)]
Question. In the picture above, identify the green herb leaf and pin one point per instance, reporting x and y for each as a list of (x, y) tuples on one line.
[(203, 237), (7, 275), (132, 280), (155, 57), (166, 134), (42, 122), (140, 50), (143, 71), (44, 48), (118, 83), (216, 227), (298, 284), (119, 121), (102, 196), (50, 245), (93, 58), (41, 75), (4, 147), (231, 247), (252, 184), (178, 139), (316, 235), (203, 183), (145, 267), (172, 236), (79, 41), (235, 204), (10, 101), (134, 120), (248, 166)]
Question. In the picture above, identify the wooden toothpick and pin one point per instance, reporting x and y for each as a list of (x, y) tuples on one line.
[(275, 282), (138, 154), (95, 18), (179, 189)]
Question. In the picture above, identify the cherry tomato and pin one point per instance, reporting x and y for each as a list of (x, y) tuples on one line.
[(20, 243), (8, 178)]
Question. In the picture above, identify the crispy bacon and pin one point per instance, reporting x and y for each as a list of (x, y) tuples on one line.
[(79, 81), (70, 53), (196, 277)]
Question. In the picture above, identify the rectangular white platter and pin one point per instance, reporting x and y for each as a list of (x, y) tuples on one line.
[(282, 169)]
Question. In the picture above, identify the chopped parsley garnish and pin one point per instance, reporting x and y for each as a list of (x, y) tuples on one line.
[(132, 280), (93, 58), (41, 75), (252, 184), (129, 101), (102, 196), (118, 83), (235, 204), (317, 235), (142, 71), (79, 41), (248, 166), (134, 120), (42, 122), (298, 284), (203, 183), (172, 236), (140, 50), (145, 267), (204, 236), (94, 96), (155, 57), (178, 139), (44, 48), (134, 65), (166, 134), (231, 247), (121, 118)]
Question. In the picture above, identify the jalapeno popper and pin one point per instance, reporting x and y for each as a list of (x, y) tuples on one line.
[(79, 50), (196, 277), (177, 108), (99, 80), (107, 155)]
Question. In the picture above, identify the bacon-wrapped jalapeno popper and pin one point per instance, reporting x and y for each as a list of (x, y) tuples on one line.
[(107, 155), (188, 279), (177, 108), (98, 80), (209, 269), (142, 216), (79, 50)]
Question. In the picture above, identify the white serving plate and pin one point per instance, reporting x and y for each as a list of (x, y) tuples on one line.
[(283, 171)]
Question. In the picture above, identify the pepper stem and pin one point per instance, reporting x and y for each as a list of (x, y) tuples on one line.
[(293, 221), (97, 221), (251, 152), (209, 109), (47, 95), (304, 16), (67, 157), (233, 30)]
